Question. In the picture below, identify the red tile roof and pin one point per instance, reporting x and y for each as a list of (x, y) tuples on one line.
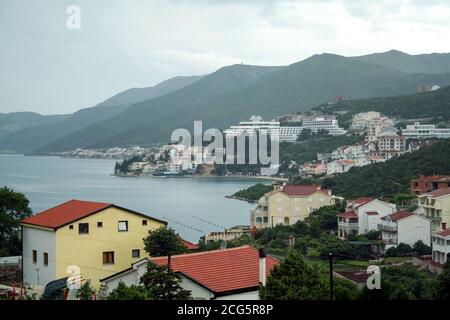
[(348, 214), (221, 270), (302, 190), (189, 245), (65, 213), (444, 233), (361, 201), (399, 215), (357, 277), (437, 193)]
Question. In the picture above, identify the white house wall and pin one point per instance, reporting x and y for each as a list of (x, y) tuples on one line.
[(413, 229), (381, 207), (41, 241)]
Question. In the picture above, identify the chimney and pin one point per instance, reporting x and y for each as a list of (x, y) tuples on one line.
[(262, 266), (444, 225)]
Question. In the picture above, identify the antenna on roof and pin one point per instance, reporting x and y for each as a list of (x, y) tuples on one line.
[(223, 245)]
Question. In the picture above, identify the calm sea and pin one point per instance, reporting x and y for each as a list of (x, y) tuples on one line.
[(48, 181)]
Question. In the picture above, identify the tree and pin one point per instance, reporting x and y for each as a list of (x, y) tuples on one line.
[(345, 290), (122, 292), (444, 282), (294, 279), (401, 250), (403, 283), (163, 241), (163, 284), (13, 208), (421, 248), (86, 291)]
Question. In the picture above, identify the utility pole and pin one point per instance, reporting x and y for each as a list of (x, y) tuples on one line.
[(330, 256)]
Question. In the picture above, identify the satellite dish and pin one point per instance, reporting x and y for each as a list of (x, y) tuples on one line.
[(223, 245)]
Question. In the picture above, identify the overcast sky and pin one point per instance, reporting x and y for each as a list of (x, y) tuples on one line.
[(47, 68)]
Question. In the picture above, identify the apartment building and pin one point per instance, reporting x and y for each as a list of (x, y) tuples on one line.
[(288, 204), (422, 131), (441, 246), (363, 215), (425, 184), (91, 239), (404, 227), (435, 205), (330, 125)]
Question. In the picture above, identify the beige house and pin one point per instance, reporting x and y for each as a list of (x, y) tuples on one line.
[(288, 204), (435, 205)]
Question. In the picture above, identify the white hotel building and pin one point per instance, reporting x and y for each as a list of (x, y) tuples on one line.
[(419, 131), (330, 125), (283, 133)]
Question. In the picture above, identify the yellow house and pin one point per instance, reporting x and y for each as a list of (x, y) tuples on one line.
[(83, 239), (288, 204), (435, 205)]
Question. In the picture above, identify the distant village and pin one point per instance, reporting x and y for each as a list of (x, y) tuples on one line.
[(380, 141)]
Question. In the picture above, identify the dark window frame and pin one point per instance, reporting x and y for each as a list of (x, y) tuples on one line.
[(133, 251), (108, 257), (80, 226), (34, 256), (118, 225), (45, 258), (99, 224)]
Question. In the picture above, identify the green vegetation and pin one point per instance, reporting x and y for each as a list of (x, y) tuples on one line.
[(405, 250), (161, 283), (404, 283), (253, 193), (14, 206), (405, 107), (295, 279), (86, 292), (307, 150), (389, 178), (133, 292), (163, 241), (444, 282)]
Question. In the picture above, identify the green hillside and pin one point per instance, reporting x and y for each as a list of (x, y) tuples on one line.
[(50, 128), (234, 93), (15, 121), (393, 176), (434, 105)]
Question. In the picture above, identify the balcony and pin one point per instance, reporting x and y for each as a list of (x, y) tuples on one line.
[(387, 228), (348, 224)]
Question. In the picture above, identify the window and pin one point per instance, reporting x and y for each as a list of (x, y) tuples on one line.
[(99, 224), (45, 259), (83, 228), (108, 257), (144, 222), (135, 253), (34, 256), (123, 226), (71, 227)]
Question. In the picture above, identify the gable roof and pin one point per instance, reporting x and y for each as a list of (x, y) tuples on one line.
[(301, 190), (399, 215), (348, 214), (362, 201), (437, 193), (220, 271), (71, 211), (443, 233)]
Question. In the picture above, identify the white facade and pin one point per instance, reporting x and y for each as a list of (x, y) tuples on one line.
[(367, 220), (320, 123), (41, 241), (419, 131), (198, 292), (441, 246), (339, 166), (289, 133), (407, 230), (253, 126), (361, 121)]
